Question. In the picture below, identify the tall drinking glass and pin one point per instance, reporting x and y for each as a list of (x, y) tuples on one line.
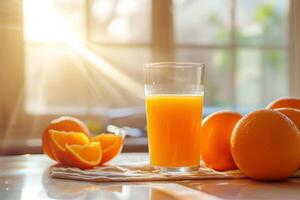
[(174, 101)]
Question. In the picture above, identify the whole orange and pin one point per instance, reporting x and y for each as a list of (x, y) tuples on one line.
[(265, 145), (62, 124), (215, 140), (286, 102)]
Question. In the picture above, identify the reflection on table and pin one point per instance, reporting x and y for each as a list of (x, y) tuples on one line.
[(26, 177)]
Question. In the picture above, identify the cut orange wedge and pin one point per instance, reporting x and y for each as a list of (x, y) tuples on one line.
[(59, 139), (83, 156), (62, 124), (111, 145)]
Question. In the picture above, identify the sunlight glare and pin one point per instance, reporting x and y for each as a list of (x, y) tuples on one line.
[(44, 23), (110, 71), (102, 10), (119, 27)]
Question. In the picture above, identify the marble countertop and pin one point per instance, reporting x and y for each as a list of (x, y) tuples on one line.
[(26, 177)]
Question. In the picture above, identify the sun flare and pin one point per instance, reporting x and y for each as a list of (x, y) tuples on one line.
[(45, 24)]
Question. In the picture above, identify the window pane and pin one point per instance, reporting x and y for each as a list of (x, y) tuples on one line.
[(132, 66), (261, 77), (124, 94), (201, 21), (53, 81), (217, 73), (61, 80), (121, 21), (275, 70), (262, 22), (53, 20)]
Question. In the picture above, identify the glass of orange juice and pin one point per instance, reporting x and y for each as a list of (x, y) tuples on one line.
[(174, 101)]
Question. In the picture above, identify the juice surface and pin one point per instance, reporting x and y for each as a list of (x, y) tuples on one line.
[(173, 124)]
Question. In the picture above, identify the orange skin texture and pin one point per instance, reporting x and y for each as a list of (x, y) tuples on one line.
[(287, 102), (265, 145), (292, 114), (215, 140), (83, 156), (62, 124), (111, 145), (59, 139)]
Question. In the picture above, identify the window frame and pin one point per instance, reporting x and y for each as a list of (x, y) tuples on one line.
[(294, 59), (163, 41), (233, 47)]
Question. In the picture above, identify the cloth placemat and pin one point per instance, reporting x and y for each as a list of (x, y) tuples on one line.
[(136, 172), (135, 167), (139, 172)]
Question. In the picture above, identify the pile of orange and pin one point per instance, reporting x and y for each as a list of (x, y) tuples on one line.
[(264, 144), (68, 141)]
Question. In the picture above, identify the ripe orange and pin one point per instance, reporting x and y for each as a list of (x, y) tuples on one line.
[(111, 145), (58, 140), (265, 145), (293, 114), (83, 156), (215, 140), (287, 102), (62, 124)]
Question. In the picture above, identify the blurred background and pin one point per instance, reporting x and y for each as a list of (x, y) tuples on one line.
[(85, 58)]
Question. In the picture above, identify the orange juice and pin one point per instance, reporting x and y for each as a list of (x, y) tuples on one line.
[(173, 123)]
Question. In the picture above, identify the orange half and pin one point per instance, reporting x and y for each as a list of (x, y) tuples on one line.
[(111, 145), (83, 156), (59, 139), (64, 123)]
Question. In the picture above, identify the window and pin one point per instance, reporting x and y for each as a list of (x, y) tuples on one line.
[(243, 44), (75, 73), (84, 57), (120, 22)]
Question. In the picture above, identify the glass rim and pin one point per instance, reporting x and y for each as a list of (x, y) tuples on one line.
[(175, 65)]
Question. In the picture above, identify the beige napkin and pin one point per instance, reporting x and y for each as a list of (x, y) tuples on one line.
[(136, 172), (135, 167)]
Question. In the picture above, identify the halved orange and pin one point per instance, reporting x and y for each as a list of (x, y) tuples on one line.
[(59, 139), (83, 156), (62, 124), (111, 145)]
